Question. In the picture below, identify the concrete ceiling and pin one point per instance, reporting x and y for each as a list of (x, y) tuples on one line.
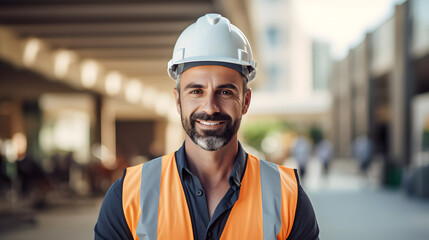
[(133, 37)]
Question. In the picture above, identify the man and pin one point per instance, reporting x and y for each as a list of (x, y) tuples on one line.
[(210, 188)]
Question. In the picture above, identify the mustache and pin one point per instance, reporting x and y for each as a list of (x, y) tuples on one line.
[(213, 117)]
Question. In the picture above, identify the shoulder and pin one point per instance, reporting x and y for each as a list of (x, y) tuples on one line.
[(131, 181), (285, 181), (305, 224), (113, 194), (132, 175), (288, 176), (111, 223), (131, 194), (301, 212), (120, 209), (274, 167)]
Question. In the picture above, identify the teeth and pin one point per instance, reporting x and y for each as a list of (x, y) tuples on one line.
[(210, 123)]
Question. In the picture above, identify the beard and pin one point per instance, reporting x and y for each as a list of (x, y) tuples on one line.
[(210, 140)]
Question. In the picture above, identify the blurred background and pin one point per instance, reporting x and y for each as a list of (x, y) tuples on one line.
[(342, 94)]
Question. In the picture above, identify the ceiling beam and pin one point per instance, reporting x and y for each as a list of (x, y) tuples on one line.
[(152, 65), (156, 40), (102, 10), (46, 2), (138, 67), (125, 53), (99, 29)]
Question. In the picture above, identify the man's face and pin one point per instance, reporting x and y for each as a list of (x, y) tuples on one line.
[(211, 105)]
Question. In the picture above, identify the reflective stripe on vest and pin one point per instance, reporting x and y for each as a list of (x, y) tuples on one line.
[(149, 199), (265, 208)]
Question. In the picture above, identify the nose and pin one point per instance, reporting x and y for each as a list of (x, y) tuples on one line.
[(210, 104)]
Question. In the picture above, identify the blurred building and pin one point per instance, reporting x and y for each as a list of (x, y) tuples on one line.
[(294, 70), (89, 77), (381, 88)]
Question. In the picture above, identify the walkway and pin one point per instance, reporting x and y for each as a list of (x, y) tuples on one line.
[(66, 219), (349, 206)]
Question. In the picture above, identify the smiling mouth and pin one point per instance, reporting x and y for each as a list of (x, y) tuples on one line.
[(209, 123)]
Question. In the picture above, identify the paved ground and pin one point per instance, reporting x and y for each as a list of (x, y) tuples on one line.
[(370, 215), (347, 206), (350, 206), (67, 220)]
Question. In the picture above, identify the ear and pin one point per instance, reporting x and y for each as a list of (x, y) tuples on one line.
[(177, 100), (247, 98)]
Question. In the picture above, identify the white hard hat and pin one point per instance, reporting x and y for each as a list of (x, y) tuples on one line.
[(212, 40)]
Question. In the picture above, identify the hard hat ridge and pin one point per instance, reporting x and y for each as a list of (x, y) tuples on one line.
[(213, 18), (212, 40)]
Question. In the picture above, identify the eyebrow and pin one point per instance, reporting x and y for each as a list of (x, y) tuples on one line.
[(193, 85), (228, 85), (196, 85)]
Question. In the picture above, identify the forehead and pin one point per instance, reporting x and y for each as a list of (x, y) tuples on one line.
[(211, 75)]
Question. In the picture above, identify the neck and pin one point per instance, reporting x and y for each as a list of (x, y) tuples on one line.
[(211, 167)]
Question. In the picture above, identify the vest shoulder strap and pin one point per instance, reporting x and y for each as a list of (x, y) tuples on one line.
[(138, 184), (131, 197), (289, 188), (279, 189)]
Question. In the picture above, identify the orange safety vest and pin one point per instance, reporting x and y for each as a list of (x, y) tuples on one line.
[(155, 205)]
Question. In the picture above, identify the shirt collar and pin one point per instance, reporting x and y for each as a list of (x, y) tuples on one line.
[(236, 173)]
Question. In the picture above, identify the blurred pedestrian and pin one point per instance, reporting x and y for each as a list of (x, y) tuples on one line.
[(301, 151), (210, 188), (5, 181), (34, 183), (324, 154), (363, 151)]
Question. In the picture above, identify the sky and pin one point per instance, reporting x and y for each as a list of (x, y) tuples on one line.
[(343, 23)]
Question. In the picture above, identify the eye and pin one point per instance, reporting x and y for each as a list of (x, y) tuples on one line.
[(196, 91), (225, 92)]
